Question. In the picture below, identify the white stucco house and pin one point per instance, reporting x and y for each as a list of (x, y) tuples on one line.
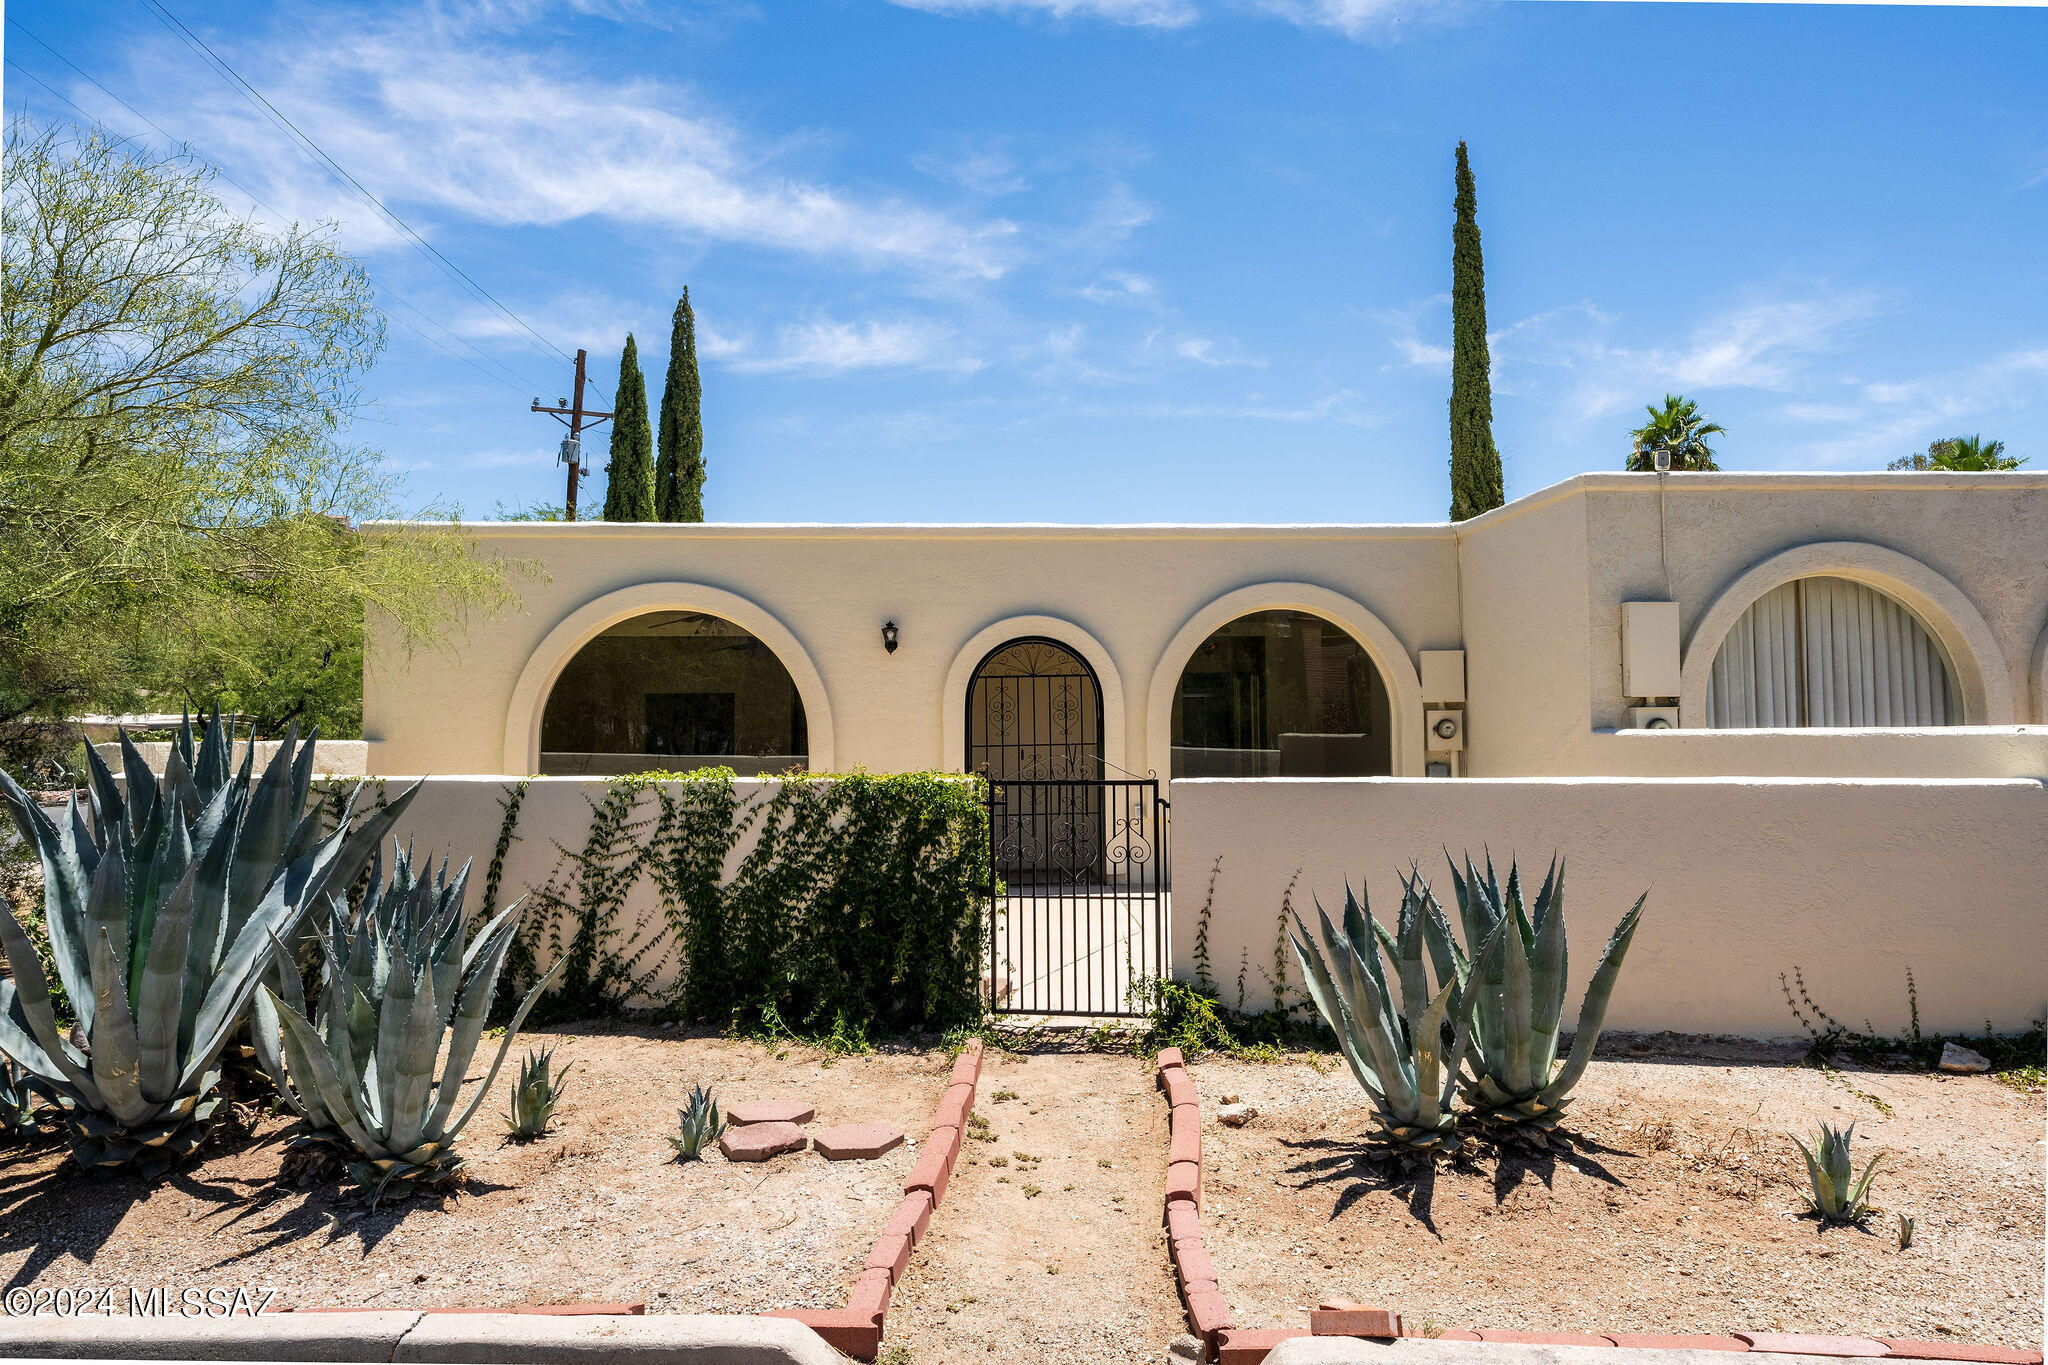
[(1886, 625), (1767, 693)]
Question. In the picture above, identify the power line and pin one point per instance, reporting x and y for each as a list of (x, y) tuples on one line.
[(524, 384), (255, 97)]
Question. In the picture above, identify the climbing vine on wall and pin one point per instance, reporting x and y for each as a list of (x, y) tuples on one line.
[(860, 900)]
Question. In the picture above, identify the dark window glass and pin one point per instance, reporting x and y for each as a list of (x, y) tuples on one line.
[(1281, 694), (676, 690), (689, 722)]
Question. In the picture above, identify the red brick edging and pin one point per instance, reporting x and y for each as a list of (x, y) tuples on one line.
[(1209, 1313), (857, 1328)]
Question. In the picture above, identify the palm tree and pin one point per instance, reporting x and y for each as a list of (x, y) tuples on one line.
[(1962, 455), (1680, 429)]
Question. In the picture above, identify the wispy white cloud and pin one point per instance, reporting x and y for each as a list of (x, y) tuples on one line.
[(826, 346), (1340, 405), (986, 168), (1143, 13), (1121, 286), (1426, 355), (442, 117), (1769, 344), (1897, 417), (1355, 19), (1206, 351), (1359, 20)]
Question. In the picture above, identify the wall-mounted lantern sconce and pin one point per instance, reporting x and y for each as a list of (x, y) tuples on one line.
[(889, 636)]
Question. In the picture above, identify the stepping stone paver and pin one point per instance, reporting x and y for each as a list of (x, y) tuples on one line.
[(749, 1112), (856, 1141), (760, 1141)]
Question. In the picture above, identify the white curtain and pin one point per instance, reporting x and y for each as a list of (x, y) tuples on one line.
[(1830, 652)]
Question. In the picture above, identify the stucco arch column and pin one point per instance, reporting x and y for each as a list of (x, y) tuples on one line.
[(2041, 678), (1981, 670), (587, 622), (959, 677), (1388, 655)]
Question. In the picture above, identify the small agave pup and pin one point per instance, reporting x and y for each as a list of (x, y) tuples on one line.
[(1839, 1194), (17, 1103), (1516, 1082), (163, 915), (700, 1124), (398, 977), (536, 1094), (1397, 1054)]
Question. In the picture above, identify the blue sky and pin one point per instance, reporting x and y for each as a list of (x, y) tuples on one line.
[(1143, 260)]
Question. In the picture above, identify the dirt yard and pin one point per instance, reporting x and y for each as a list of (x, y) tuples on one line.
[(598, 1211), (1677, 1209)]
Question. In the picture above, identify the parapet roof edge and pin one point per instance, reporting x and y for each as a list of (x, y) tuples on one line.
[(1577, 484)]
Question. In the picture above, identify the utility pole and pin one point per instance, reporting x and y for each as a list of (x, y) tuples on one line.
[(575, 419)]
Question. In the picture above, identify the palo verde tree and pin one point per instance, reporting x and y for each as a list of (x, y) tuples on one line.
[(1476, 482), (181, 514), (679, 466), (629, 478), (1679, 428)]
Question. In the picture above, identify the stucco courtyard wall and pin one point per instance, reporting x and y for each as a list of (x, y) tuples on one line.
[(1854, 881), (463, 817), (1532, 592)]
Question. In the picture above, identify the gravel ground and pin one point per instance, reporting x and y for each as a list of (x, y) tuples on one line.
[(1048, 1250), (1677, 1209), (598, 1211)]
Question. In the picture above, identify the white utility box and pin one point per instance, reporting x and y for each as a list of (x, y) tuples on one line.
[(1443, 674), (1649, 649)]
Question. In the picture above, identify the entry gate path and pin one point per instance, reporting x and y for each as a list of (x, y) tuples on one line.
[(1074, 1274)]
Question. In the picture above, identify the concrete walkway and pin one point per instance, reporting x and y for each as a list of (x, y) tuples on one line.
[(1421, 1351), (428, 1338)]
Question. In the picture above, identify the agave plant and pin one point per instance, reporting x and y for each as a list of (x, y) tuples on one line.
[(1397, 1053), (399, 977), (700, 1122), (163, 915), (536, 1094), (17, 1103), (1516, 1083), (1839, 1194)]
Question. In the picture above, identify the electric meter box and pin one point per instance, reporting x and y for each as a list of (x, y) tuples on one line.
[(1649, 649)]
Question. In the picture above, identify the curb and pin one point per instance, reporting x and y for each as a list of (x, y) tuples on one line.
[(421, 1337), (857, 1328), (1209, 1313)]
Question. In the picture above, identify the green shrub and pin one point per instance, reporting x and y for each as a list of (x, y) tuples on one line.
[(858, 911)]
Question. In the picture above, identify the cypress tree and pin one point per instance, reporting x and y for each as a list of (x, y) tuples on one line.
[(629, 486), (1476, 484), (679, 471)]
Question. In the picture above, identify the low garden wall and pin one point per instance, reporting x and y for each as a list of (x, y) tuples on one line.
[(1854, 882), (854, 899)]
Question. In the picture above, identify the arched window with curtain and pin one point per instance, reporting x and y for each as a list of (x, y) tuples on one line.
[(1828, 652)]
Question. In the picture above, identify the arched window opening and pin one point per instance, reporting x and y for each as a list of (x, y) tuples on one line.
[(1034, 712), (1831, 652), (1281, 694), (677, 691)]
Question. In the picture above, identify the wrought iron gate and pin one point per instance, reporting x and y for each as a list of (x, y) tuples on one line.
[(1078, 881)]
